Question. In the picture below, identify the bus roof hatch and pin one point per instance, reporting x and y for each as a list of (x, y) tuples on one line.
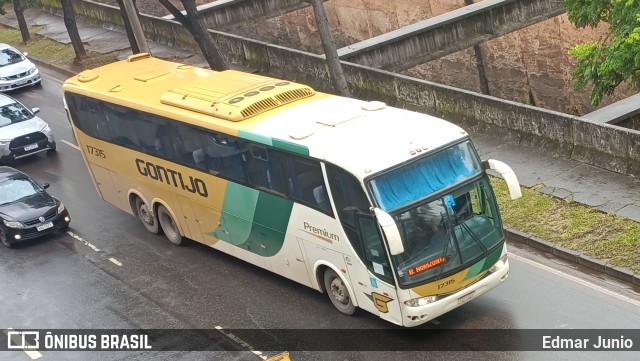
[(237, 105)]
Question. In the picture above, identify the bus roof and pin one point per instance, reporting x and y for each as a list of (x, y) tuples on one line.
[(362, 137)]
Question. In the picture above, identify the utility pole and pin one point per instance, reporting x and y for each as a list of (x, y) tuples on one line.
[(330, 52), (132, 14)]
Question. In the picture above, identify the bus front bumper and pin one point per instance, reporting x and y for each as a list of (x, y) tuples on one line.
[(415, 316)]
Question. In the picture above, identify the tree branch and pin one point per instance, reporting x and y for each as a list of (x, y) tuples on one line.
[(177, 14)]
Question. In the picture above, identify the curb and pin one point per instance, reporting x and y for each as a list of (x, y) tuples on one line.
[(43, 64), (619, 273)]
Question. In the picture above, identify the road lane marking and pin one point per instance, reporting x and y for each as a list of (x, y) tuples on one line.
[(34, 355), (240, 342), (577, 280), (83, 241), (70, 144), (115, 261)]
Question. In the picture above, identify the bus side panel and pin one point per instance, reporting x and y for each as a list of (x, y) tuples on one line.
[(320, 239), (190, 228), (290, 262), (108, 184)]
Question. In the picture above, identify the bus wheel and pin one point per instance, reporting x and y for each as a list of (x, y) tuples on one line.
[(338, 292), (147, 218), (169, 226)]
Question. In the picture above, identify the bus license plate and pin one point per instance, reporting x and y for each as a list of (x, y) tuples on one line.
[(45, 226), (30, 146), (466, 298)]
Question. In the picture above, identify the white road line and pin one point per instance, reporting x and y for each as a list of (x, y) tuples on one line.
[(115, 261), (83, 241), (70, 144), (577, 280), (34, 355), (242, 343)]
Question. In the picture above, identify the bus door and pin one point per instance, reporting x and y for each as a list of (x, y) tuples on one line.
[(376, 282)]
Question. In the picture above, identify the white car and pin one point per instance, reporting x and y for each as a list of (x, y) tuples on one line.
[(16, 71), (22, 132)]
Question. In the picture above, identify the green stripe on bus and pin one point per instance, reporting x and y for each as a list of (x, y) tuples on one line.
[(237, 212), (246, 214), (254, 137), (292, 147), (275, 212), (484, 264)]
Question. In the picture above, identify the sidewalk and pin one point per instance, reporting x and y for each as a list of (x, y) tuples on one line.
[(563, 178)]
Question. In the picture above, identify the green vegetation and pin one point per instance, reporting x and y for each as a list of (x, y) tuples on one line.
[(572, 225), (613, 59), (53, 52)]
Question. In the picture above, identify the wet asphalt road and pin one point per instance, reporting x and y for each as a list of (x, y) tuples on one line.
[(109, 273)]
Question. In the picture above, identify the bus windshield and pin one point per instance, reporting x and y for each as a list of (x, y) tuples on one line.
[(427, 175), (447, 234)]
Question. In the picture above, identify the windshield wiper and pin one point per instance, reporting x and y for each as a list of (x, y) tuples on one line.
[(466, 227)]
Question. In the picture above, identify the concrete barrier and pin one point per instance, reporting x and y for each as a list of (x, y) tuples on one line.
[(602, 145)]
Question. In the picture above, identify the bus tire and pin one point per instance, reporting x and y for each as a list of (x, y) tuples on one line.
[(338, 292), (148, 219), (169, 226)]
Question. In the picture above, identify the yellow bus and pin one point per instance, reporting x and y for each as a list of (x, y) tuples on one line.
[(384, 209)]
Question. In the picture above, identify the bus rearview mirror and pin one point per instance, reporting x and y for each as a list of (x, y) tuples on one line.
[(390, 231), (507, 174)]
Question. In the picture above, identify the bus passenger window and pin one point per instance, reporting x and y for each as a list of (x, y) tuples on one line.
[(121, 126), (263, 167), (162, 142), (306, 183), (222, 156), (321, 197)]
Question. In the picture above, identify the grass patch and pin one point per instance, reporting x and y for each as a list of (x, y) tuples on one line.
[(571, 225), (51, 51)]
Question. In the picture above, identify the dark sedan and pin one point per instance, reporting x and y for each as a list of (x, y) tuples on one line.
[(26, 209)]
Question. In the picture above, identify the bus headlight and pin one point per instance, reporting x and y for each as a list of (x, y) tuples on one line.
[(501, 262), (12, 224), (422, 301)]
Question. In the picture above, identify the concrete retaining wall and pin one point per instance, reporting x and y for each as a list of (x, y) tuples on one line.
[(602, 145)]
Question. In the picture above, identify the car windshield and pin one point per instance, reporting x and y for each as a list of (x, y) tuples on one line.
[(14, 189), (447, 234), (9, 56), (13, 113)]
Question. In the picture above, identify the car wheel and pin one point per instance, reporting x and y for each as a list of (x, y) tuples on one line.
[(338, 292), (169, 226), (4, 241), (53, 148), (147, 218)]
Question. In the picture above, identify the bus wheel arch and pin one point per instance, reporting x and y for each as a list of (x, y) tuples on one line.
[(338, 290), (142, 210), (167, 222)]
